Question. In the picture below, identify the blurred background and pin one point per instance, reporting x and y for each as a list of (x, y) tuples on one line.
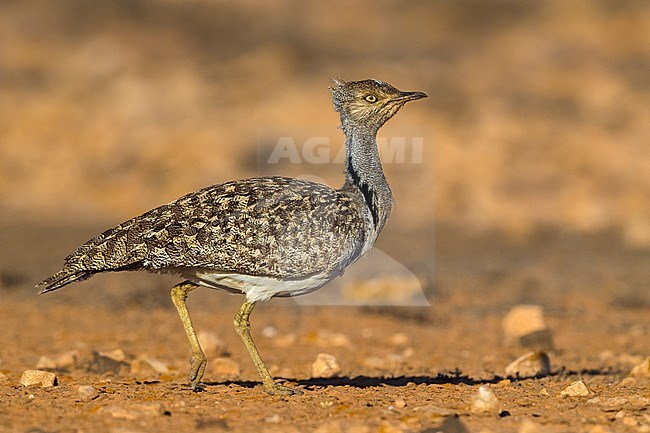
[(532, 185), (536, 121)]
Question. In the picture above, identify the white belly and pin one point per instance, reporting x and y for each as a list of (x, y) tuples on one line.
[(254, 287)]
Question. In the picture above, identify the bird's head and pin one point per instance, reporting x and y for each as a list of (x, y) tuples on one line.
[(368, 103)]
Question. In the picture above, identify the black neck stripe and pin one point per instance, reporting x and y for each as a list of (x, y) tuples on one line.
[(367, 192)]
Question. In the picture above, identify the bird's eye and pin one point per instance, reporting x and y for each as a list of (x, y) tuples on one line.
[(371, 98)]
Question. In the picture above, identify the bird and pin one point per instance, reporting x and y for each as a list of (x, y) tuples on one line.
[(262, 237)]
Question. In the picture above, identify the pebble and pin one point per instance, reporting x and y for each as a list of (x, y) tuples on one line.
[(274, 419), (532, 364), (116, 355), (45, 362), (390, 362), (38, 377), (399, 403), (575, 389), (278, 371), (642, 369), (525, 325), (155, 364), (87, 393), (269, 331), (485, 401), (211, 344), (63, 361), (225, 367), (331, 339), (285, 340), (325, 365), (399, 339)]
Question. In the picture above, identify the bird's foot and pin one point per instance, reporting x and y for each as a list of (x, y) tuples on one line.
[(275, 388), (197, 368), (197, 387)]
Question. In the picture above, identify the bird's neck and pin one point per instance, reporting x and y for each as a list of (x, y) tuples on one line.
[(364, 172)]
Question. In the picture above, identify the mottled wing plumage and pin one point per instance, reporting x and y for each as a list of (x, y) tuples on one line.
[(278, 227)]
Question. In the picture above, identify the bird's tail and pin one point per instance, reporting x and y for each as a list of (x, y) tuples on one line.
[(63, 278)]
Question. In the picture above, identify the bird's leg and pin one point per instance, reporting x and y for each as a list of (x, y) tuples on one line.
[(243, 328), (198, 360)]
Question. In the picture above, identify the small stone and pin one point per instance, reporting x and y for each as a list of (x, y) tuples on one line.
[(269, 331), (285, 340), (375, 362), (532, 364), (116, 355), (614, 403), (390, 362), (225, 367), (485, 401), (641, 370), (45, 362), (211, 344), (67, 359), (331, 339), (63, 361), (273, 419), (435, 412), (525, 325), (399, 403), (629, 421), (38, 377), (544, 392), (87, 393), (325, 366), (156, 365), (280, 371), (399, 339), (575, 389)]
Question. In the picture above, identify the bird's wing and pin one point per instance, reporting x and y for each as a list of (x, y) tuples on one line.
[(274, 226)]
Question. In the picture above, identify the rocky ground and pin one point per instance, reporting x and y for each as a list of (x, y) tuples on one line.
[(521, 232), (119, 353)]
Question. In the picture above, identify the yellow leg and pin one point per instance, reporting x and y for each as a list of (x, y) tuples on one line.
[(198, 360), (243, 328)]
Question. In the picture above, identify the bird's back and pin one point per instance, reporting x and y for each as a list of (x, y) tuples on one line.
[(275, 227)]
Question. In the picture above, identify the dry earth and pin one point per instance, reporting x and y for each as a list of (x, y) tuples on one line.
[(403, 369), (535, 155)]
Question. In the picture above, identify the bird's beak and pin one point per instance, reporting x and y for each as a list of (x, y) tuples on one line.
[(409, 96)]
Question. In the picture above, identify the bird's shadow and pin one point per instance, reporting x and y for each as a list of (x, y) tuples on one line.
[(453, 378), (362, 382)]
